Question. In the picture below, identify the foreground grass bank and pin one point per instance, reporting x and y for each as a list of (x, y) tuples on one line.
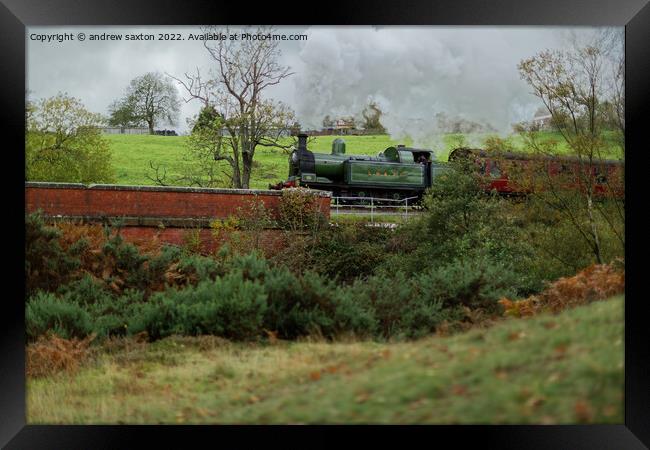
[(560, 369)]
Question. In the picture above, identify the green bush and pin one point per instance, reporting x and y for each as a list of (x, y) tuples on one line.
[(462, 223), (86, 291), (202, 268), (474, 283), (44, 312), (400, 306), (298, 306), (111, 316), (353, 316), (229, 307), (299, 210), (251, 266), (351, 251), (47, 265)]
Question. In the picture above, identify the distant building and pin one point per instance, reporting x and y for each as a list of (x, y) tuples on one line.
[(542, 119), (344, 124)]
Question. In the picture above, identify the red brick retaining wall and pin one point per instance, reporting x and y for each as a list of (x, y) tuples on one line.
[(78, 200), (168, 214)]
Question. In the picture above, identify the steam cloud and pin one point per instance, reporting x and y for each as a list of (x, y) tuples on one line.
[(414, 73)]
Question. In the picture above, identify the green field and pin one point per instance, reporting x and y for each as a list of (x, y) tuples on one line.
[(547, 369), (132, 154)]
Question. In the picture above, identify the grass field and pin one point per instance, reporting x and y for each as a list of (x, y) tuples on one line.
[(132, 154), (548, 369)]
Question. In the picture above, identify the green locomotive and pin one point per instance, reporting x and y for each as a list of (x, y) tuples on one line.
[(396, 173)]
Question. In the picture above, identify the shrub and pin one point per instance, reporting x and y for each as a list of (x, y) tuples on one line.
[(353, 316), (47, 265), (196, 268), (462, 223), (298, 306), (222, 228), (127, 256), (251, 266), (349, 251), (474, 283), (559, 250), (44, 312), (299, 210), (229, 307), (192, 240), (399, 306), (86, 291), (111, 315), (158, 265)]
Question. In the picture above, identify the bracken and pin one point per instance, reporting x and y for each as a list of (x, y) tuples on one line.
[(596, 282), (51, 354)]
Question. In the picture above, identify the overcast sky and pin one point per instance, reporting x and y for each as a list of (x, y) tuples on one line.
[(412, 72)]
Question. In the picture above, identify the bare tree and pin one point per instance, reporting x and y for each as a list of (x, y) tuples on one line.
[(243, 119), (576, 87), (150, 98), (372, 118)]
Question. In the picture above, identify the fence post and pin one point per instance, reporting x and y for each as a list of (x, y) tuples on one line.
[(406, 200)]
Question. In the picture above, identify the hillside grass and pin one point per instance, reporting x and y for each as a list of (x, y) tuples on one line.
[(133, 153), (560, 369)]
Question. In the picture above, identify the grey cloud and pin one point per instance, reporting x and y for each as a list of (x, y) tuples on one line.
[(412, 72)]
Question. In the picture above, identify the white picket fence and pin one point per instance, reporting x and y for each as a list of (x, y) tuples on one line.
[(374, 205)]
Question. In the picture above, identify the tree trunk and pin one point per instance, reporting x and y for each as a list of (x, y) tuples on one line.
[(246, 178), (150, 122), (247, 169), (594, 230), (236, 177)]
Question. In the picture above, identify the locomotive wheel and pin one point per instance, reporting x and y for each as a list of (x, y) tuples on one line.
[(362, 201)]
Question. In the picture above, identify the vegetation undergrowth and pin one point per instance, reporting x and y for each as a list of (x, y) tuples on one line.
[(452, 268), (549, 369)]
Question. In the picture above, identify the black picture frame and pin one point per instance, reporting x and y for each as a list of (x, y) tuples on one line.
[(15, 15)]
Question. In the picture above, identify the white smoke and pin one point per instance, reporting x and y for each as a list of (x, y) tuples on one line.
[(414, 73)]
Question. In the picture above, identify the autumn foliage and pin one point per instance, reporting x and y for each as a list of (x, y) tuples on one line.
[(597, 282), (52, 354)]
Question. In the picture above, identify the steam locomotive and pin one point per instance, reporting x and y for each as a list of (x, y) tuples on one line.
[(400, 172), (396, 173)]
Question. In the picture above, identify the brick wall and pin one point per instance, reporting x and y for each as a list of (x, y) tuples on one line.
[(78, 200), (168, 214)]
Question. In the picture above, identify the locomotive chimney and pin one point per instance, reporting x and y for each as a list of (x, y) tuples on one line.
[(302, 141)]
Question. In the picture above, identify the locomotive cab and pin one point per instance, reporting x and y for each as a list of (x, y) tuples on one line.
[(422, 157)]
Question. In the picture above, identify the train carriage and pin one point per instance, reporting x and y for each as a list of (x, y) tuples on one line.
[(513, 173)]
